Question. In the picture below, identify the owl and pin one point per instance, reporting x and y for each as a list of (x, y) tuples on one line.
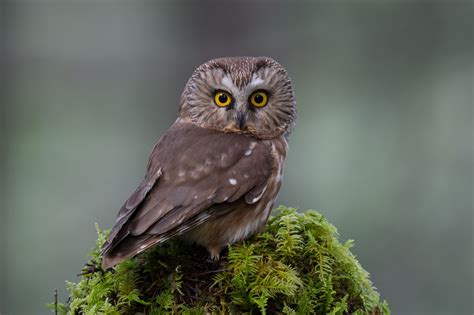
[(213, 177)]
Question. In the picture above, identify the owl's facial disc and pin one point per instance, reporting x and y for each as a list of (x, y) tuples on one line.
[(247, 100), (247, 95), (225, 101), (241, 108)]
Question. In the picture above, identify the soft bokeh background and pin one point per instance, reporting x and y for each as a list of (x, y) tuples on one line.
[(383, 145)]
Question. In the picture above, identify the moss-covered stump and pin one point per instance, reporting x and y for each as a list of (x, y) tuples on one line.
[(295, 266)]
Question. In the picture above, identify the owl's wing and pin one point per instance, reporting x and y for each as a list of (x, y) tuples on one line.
[(192, 172)]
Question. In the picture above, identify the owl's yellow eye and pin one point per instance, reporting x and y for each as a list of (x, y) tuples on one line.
[(222, 99), (259, 98)]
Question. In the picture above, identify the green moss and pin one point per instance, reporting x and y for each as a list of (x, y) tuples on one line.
[(295, 266)]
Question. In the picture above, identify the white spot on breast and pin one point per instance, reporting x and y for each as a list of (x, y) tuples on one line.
[(181, 173), (232, 181), (268, 207), (195, 174), (223, 156), (195, 197), (246, 175), (248, 152), (280, 163)]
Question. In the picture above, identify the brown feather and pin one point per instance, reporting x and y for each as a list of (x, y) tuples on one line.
[(194, 177)]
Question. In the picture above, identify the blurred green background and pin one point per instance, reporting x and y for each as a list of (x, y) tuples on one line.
[(383, 145)]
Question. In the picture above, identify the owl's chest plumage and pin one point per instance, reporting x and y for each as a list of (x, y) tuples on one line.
[(211, 188), (241, 219)]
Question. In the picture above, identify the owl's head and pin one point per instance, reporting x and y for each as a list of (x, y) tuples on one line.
[(247, 95)]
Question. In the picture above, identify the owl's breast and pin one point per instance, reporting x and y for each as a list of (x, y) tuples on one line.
[(242, 219)]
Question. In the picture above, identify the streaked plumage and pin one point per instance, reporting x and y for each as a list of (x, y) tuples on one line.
[(214, 175)]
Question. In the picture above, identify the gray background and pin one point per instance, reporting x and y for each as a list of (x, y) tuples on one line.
[(383, 145)]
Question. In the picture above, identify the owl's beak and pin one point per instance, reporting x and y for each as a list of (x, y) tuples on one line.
[(241, 118), (238, 123)]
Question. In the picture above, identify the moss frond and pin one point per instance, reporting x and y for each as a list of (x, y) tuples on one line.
[(295, 266)]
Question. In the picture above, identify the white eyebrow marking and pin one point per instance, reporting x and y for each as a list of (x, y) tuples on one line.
[(227, 82), (255, 81)]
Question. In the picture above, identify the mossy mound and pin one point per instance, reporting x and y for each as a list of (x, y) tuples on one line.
[(295, 266)]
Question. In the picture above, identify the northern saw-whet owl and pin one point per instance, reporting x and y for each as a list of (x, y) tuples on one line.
[(213, 177)]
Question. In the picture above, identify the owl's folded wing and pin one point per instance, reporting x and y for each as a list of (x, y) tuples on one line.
[(193, 175)]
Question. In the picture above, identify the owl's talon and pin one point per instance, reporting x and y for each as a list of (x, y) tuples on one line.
[(214, 253)]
